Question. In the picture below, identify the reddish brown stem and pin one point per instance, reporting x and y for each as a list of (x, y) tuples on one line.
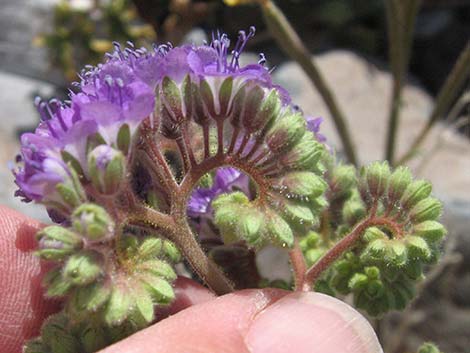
[(314, 272), (299, 266)]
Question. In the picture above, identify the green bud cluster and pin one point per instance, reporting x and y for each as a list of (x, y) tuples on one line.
[(389, 260), (313, 247), (114, 288)]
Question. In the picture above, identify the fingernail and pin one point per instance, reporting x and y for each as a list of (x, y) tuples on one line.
[(313, 323)]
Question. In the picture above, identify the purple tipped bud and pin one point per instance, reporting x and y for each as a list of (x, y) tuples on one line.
[(107, 169)]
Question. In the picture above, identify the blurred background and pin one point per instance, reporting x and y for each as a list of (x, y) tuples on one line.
[(43, 43)]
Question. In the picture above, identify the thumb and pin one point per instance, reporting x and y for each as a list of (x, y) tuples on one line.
[(258, 321)]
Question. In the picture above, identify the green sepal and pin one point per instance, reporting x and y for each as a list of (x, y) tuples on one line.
[(249, 225), (302, 184), (124, 139), (171, 251), (118, 307), (279, 231), (150, 248), (158, 268), (253, 103), (304, 155), (83, 268), (55, 284), (415, 192), (68, 194), (225, 93), (171, 97), (297, 214), (430, 231), (418, 248), (396, 254), (160, 289), (400, 179), (144, 304), (268, 111), (89, 298), (373, 233), (207, 96), (58, 237), (428, 209)]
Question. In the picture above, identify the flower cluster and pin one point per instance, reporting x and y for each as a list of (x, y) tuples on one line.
[(181, 153)]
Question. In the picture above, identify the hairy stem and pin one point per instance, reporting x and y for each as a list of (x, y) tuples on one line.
[(299, 266), (333, 254), (291, 43), (446, 96)]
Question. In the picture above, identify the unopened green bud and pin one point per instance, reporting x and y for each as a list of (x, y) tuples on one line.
[(83, 268), (376, 176), (107, 169), (92, 221), (249, 225), (358, 281), (375, 250), (415, 192), (399, 181), (56, 243), (353, 210), (279, 231), (396, 253), (418, 248), (428, 347), (428, 209), (343, 178), (298, 215), (373, 233), (309, 241), (226, 214), (56, 335), (302, 184), (431, 231), (286, 133), (304, 155)]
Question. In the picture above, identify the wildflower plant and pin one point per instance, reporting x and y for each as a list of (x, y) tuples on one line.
[(182, 155)]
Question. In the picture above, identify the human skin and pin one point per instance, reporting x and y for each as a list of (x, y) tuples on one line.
[(254, 321)]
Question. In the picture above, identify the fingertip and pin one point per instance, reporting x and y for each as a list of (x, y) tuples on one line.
[(21, 302), (312, 323)]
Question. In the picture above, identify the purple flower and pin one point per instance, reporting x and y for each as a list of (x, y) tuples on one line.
[(313, 125), (225, 180)]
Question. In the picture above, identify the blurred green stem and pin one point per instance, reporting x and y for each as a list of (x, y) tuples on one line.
[(291, 43), (401, 15), (447, 95)]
